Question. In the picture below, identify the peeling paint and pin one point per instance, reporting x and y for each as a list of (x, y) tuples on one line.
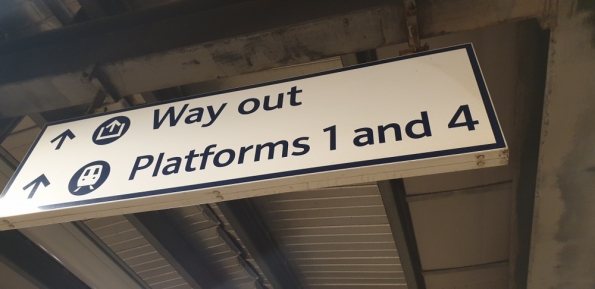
[(563, 240), (577, 189), (577, 186)]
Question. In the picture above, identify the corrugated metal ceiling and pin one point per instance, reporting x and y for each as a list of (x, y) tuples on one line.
[(139, 255), (337, 237), (200, 228), (245, 253)]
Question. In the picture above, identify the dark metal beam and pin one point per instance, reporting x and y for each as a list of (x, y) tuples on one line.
[(247, 223), (173, 248), (33, 262), (532, 66), (139, 51), (197, 22), (60, 11), (397, 210), (197, 41), (97, 9), (152, 31)]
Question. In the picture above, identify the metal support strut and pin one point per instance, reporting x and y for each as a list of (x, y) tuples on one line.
[(412, 29)]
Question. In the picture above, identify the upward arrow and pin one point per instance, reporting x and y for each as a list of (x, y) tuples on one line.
[(35, 183), (113, 125), (62, 137)]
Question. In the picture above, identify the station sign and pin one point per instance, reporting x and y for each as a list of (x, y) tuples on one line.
[(420, 114)]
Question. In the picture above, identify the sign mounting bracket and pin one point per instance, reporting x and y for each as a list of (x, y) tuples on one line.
[(412, 29)]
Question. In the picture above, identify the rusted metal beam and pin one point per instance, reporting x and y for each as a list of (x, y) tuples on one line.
[(443, 17), (412, 28), (142, 33), (149, 50)]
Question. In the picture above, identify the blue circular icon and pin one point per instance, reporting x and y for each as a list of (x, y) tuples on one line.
[(89, 178), (111, 130)]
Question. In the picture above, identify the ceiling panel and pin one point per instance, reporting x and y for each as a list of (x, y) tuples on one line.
[(493, 276), (457, 180), (18, 143), (464, 228)]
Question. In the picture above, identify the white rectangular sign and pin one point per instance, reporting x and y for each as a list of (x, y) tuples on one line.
[(419, 114)]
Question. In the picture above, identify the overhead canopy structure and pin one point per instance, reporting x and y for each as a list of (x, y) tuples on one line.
[(518, 226)]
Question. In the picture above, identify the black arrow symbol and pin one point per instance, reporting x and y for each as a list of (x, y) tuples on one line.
[(67, 134), (35, 183)]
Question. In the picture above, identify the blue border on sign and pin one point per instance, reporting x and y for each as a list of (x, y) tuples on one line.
[(499, 144)]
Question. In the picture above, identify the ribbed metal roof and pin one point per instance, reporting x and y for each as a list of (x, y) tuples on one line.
[(336, 238), (136, 251), (202, 229), (245, 253)]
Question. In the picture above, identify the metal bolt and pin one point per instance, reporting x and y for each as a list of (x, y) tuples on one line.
[(504, 153), (480, 162)]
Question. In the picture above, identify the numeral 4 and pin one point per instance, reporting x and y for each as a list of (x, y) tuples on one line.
[(468, 122)]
